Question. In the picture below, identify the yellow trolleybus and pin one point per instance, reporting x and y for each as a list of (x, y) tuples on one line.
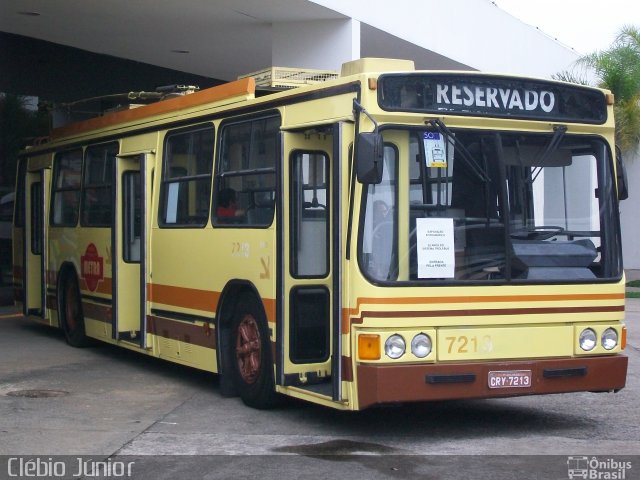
[(387, 235)]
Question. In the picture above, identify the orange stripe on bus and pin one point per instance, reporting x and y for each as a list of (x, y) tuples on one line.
[(481, 299), (205, 300), (245, 86), (197, 299), (347, 313), (270, 309)]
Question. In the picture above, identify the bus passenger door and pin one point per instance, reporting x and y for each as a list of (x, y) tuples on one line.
[(34, 238), (129, 250), (306, 228)]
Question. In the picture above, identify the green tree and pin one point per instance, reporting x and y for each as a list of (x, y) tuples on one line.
[(18, 127), (618, 69)]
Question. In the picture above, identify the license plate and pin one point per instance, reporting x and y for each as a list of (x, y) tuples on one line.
[(510, 379)]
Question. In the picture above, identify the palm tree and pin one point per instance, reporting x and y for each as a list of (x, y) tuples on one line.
[(618, 69)]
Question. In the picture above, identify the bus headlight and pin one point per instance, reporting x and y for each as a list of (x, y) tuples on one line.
[(588, 340), (394, 347), (609, 339), (421, 345)]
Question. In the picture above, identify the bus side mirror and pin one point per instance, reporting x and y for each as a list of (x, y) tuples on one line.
[(621, 176), (369, 163)]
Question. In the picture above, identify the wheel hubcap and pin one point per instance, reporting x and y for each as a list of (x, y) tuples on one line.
[(248, 349)]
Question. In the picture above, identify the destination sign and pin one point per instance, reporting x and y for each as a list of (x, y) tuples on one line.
[(495, 96)]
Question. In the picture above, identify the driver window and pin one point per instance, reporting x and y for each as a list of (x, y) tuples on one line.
[(379, 241)]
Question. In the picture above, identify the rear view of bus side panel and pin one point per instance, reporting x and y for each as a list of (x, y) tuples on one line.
[(30, 247)]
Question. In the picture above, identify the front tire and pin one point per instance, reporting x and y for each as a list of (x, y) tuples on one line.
[(252, 363)]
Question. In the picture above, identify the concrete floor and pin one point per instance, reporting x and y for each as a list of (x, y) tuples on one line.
[(172, 422)]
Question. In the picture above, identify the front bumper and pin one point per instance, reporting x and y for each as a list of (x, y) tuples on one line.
[(414, 383)]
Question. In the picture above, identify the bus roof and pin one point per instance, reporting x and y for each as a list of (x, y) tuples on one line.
[(231, 92), (244, 89)]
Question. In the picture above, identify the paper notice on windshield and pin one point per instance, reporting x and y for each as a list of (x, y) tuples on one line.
[(436, 254), (434, 150)]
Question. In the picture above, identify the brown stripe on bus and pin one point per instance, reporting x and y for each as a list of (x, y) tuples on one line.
[(97, 312), (481, 299), (199, 335), (478, 313), (52, 302)]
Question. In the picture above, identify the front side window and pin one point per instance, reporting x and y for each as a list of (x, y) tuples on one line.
[(379, 241), (67, 173), (186, 178), (246, 173), (97, 198), (494, 207)]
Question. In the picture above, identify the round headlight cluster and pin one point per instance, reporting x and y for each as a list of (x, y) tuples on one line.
[(588, 339), (395, 346), (421, 345), (609, 339)]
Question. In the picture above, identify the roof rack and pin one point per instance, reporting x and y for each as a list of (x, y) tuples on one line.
[(285, 78)]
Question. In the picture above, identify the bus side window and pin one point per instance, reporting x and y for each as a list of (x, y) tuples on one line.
[(246, 166), (65, 196), (185, 190), (97, 198)]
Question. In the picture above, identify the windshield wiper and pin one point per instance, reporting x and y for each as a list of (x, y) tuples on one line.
[(558, 134), (464, 153)]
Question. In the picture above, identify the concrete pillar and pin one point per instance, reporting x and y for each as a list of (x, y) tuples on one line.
[(319, 44)]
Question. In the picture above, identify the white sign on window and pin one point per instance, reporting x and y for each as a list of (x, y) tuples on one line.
[(434, 149), (436, 254), (172, 203)]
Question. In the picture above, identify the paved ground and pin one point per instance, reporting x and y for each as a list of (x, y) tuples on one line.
[(108, 402)]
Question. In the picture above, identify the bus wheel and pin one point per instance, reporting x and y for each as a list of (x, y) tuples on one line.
[(252, 364), (71, 316)]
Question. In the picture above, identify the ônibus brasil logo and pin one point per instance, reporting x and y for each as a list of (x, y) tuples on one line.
[(594, 468), (92, 266)]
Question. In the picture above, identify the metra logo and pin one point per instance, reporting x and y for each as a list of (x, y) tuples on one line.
[(497, 98), (92, 266)]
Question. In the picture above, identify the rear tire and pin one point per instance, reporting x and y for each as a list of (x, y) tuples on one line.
[(252, 363), (70, 313)]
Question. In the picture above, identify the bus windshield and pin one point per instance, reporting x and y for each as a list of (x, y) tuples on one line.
[(489, 206)]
